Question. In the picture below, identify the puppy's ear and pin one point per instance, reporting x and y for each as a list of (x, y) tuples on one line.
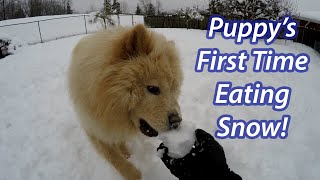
[(136, 42)]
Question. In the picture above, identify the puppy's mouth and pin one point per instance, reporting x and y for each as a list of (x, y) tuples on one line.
[(146, 129)]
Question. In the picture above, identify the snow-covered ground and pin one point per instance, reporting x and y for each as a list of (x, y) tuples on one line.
[(40, 138), (56, 27)]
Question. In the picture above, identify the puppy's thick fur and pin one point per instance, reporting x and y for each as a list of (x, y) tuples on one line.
[(108, 79)]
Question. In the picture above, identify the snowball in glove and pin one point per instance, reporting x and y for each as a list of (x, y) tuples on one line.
[(206, 160), (179, 141)]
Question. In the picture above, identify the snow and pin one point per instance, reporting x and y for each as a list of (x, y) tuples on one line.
[(75, 26), (26, 32), (312, 15), (15, 43), (195, 14), (126, 19), (52, 29), (37, 18), (179, 141), (40, 137)]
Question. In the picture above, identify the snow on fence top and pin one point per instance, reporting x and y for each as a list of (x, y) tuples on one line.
[(37, 18), (45, 28), (313, 16)]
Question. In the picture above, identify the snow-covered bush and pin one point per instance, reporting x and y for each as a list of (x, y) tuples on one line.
[(192, 17), (9, 45), (195, 14), (4, 48), (92, 16), (253, 9), (180, 12), (102, 17), (190, 13)]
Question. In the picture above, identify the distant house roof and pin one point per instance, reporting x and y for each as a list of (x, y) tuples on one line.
[(312, 16)]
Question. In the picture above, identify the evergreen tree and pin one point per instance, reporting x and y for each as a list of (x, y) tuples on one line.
[(36, 7), (158, 7), (251, 9), (138, 10), (215, 7), (151, 11), (107, 7), (229, 8), (104, 16), (116, 7), (69, 10), (273, 9), (3, 9)]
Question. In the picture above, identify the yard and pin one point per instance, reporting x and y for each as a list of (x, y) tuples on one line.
[(40, 137)]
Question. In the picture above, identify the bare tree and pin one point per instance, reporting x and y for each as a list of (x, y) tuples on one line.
[(64, 4), (289, 7), (144, 4), (53, 7), (11, 9), (4, 9), (36, 7), (26, 7), (124, 7), (69, 10), (158, 7), (92, 8)]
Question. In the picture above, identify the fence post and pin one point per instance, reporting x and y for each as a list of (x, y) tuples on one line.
[(118, 19), (85, 23), (132, 20), (40, 31), (302, 41)]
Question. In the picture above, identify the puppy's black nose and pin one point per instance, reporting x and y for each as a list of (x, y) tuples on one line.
[(174, 120)]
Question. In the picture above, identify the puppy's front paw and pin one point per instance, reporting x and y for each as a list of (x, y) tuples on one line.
[(133, 174), (124, 150)]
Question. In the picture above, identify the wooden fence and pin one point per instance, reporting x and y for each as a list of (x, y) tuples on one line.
[(307, 36), (175, 22)]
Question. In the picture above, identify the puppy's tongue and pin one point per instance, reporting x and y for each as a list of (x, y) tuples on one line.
[(147, 130)]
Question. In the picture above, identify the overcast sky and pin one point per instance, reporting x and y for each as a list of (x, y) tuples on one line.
[(86, 5)]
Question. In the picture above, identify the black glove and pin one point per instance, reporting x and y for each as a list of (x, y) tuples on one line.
[(206, 160)]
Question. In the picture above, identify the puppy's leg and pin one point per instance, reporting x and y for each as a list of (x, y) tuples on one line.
[(116, 158), (124, 150)]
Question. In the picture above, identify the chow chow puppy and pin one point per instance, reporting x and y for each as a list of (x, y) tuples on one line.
[(124, 82)]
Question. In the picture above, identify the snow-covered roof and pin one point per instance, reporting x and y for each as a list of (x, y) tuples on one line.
[(313, 16)]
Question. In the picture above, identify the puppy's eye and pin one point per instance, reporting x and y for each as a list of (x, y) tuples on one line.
[(154, 90)]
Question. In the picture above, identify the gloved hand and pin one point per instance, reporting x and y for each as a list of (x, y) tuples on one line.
[(206, 160)]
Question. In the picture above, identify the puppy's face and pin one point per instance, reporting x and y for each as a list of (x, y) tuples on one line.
[(154, 81), (157, 108)]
